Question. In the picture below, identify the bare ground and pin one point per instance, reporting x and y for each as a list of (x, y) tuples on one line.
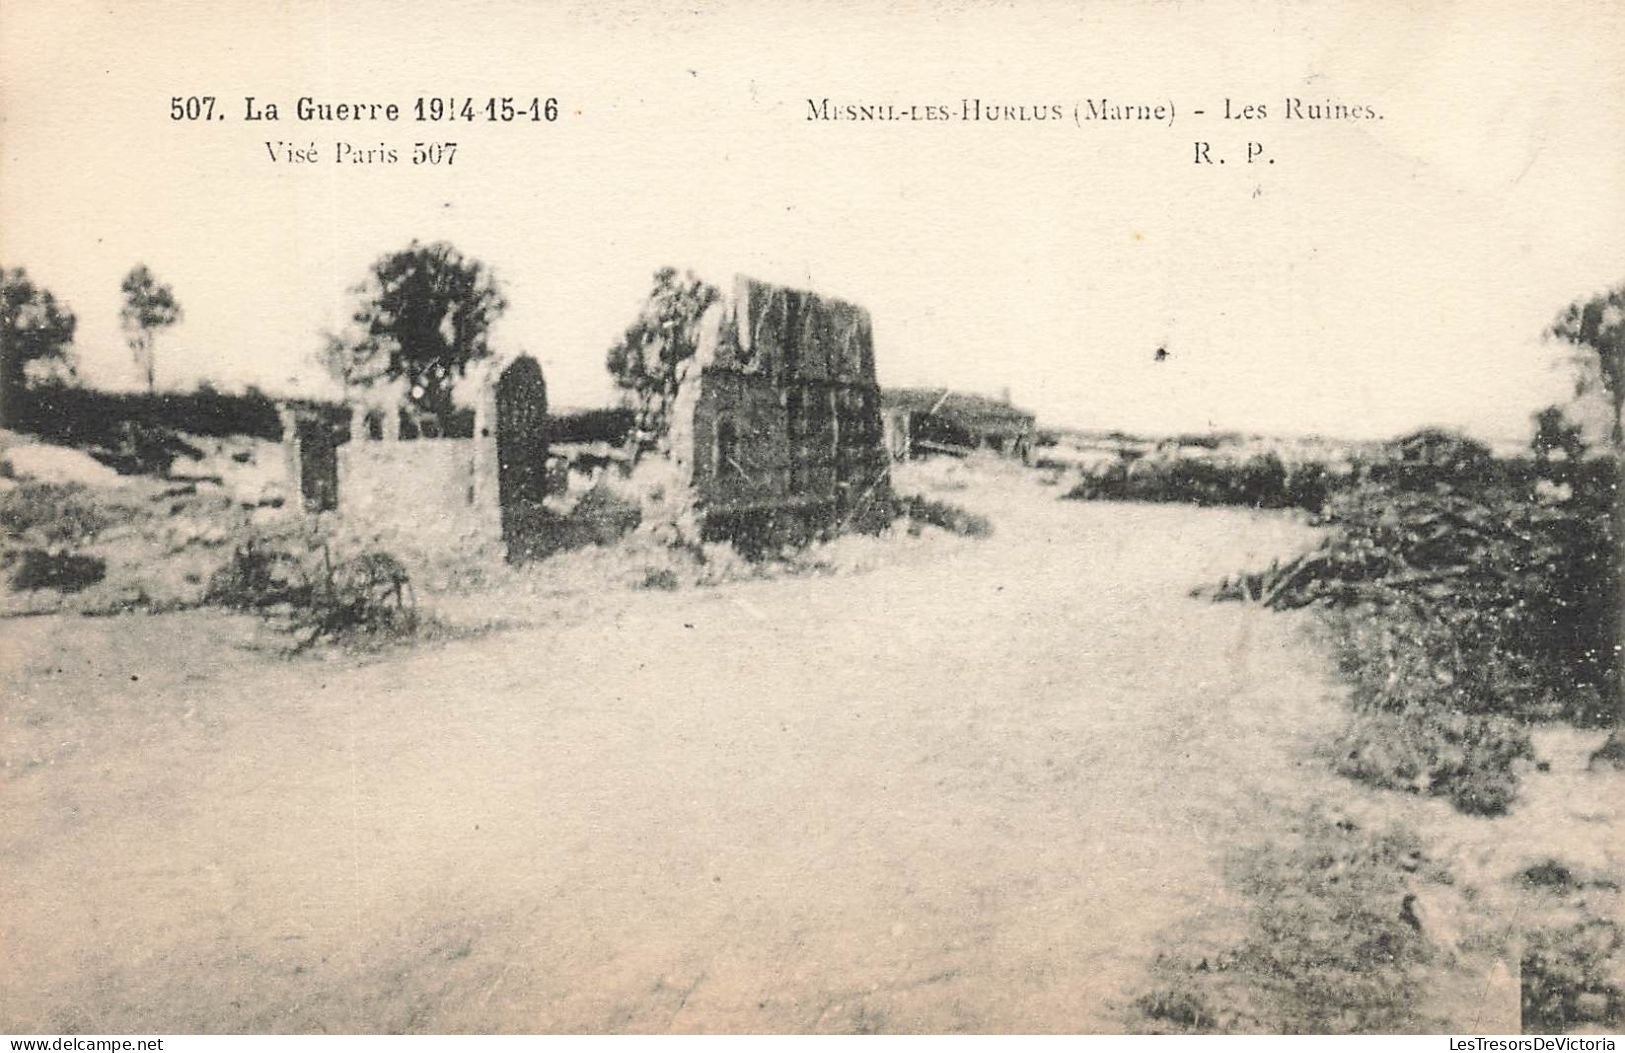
[(969, 793)]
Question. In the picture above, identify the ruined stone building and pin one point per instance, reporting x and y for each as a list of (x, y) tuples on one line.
[(485, 487), (778, 413), (775, 433)]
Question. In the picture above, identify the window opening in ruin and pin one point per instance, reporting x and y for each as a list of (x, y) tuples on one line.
[(795, 409), (727, 448), (419, 423)]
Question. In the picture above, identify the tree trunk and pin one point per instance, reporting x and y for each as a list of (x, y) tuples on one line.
[(141, 350), (13, 389)]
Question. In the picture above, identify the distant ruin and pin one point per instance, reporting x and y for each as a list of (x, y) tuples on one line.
[(940, 420), (777, 416)]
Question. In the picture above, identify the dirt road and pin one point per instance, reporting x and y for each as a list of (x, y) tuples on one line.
[(962, 796)]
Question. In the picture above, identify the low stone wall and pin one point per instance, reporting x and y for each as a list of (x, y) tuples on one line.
[(418, 486)]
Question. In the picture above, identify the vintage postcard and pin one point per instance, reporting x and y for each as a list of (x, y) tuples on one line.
[(918, 517)]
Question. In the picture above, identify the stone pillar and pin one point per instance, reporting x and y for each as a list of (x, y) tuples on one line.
[(487, 487), (292, 454)]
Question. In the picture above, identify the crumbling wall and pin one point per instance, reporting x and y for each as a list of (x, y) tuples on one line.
[(424, 485), (309, 456), (487, 487), (737, 452), (779, 409)]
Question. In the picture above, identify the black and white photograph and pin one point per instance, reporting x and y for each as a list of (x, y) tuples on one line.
[(916, 517)]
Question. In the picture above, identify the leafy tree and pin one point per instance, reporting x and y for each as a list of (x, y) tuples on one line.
[(1596, 327), (33, 327), (1558, 444), (149, 306), (645, 361), (422, 314)]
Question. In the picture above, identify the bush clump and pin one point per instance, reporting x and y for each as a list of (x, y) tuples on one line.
[(44, 525), (1329, 940), (1467, 596), (943, 515), (1569, 978), (663, 579), (1262, 480), (307, 592), (137, 447), (1327, 948), (1185, 1010), (367, 597), (64, 571), (57, 513), (259, 575), (1469, 758), (1481, 597)]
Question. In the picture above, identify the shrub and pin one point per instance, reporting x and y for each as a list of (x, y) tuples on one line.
[(1509, 604), (1104, 483), (353, 600), (1327, 948), (1260, 481), (1551, 875), (55, 569), (947, 516), (1462, 604), (661, 578), (58, 513), (1308, 485), (55, 517), (1569, 980), (138, 447), (302, 588), (600, 515), (1469, 759), (1328, 939), (257, 576), (1184, 1009)]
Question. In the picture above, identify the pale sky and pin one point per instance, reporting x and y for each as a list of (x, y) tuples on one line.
[(1379, 276)]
